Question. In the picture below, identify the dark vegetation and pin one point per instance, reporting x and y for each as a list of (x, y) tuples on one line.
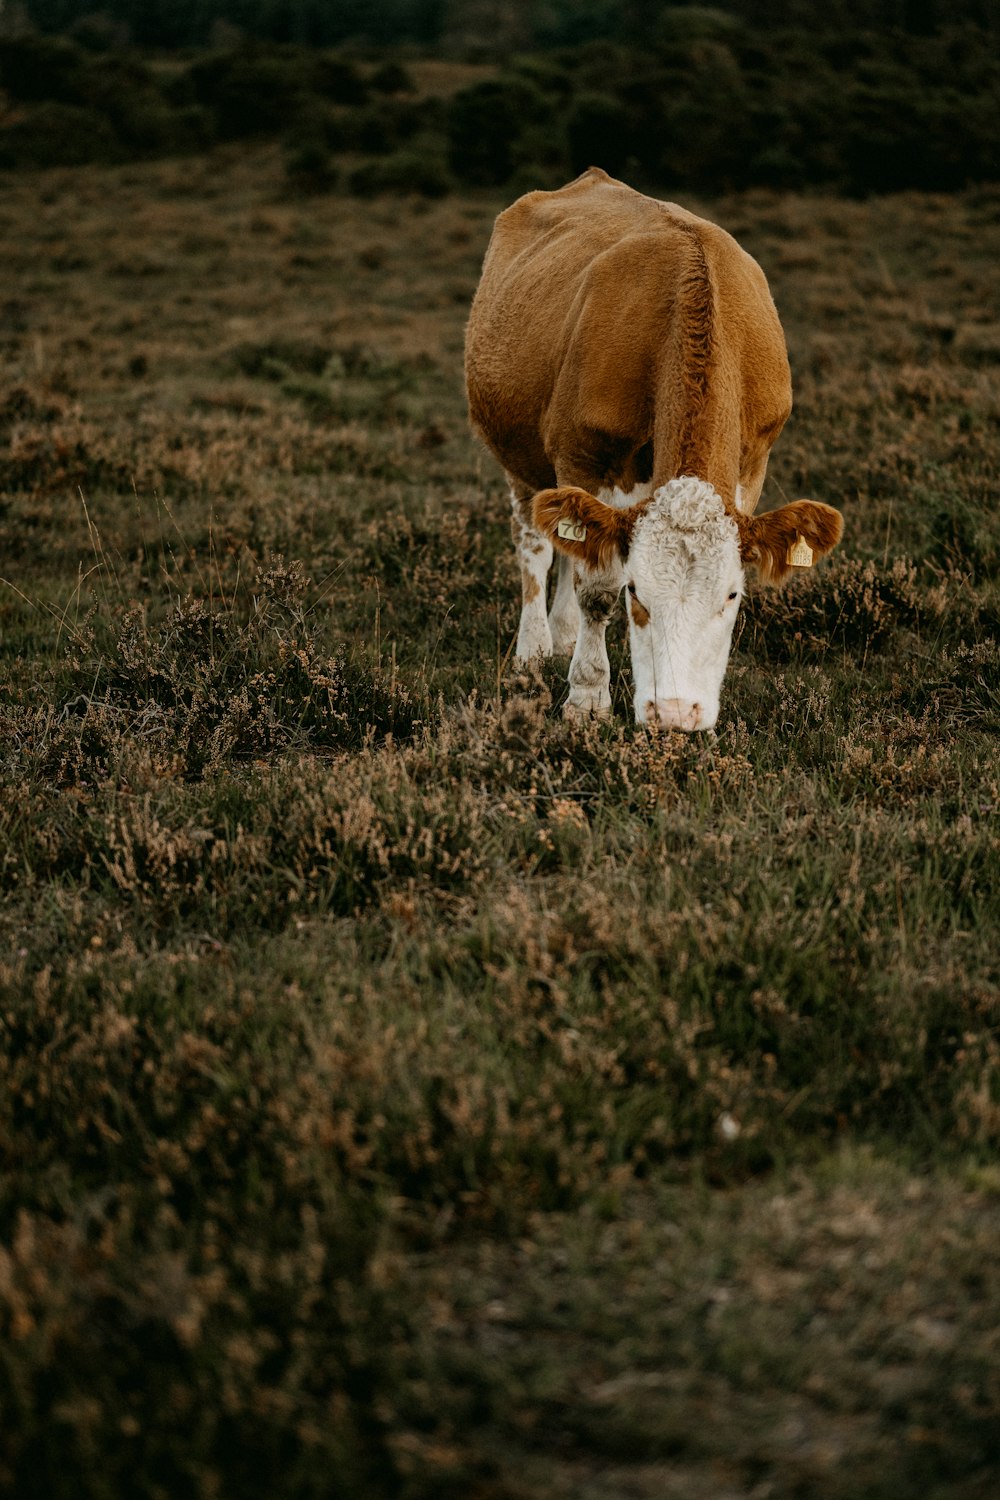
[(403, 1091), (477, 25), (678, 97)]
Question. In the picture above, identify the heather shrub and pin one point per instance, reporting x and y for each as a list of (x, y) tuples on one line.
[(849, 606), (50, 456), (406, 1090), (964, 686), (220, 685), (276, 358)]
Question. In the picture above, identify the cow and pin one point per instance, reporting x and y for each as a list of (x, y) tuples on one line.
[(625, 364)]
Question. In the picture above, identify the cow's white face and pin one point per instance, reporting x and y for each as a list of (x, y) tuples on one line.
[(681, 555), (685, 580)]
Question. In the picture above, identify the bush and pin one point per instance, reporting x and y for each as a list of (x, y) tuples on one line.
[(391, 78), (256, 91), (308, 167), (339, 80), (252, 92), (688, 98), (696, 23), (85, 108), (813, 110), (412, 171), (57, 135), (599, 133), (322, 123), (484, 126), (558, 79), (381, 128), (99, 33), (33, 68)]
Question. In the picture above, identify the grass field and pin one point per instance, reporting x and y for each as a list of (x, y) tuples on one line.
[(403, 1091)]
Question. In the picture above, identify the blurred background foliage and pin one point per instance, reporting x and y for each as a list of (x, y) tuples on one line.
[(874, 97)]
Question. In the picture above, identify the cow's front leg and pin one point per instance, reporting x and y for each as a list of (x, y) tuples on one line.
[(534, 556), (590, 670)]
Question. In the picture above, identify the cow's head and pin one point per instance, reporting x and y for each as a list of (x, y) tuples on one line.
[(681, 555)]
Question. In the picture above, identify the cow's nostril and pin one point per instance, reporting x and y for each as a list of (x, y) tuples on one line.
[(677, 713)]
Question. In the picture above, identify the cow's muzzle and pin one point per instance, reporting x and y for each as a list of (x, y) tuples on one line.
[(676, 713)]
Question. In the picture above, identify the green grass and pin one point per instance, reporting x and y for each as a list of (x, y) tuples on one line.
[(405, 1091)]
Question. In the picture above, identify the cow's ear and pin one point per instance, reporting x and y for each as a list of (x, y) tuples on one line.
[(577, 522), (793, 536)]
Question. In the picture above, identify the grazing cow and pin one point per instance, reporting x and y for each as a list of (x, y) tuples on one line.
[(626, 365)]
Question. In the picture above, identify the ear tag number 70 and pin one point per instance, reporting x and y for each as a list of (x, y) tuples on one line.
[(571, 531)]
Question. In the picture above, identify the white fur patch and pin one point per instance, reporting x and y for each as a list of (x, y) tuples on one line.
[(623, 499), (690, 504)]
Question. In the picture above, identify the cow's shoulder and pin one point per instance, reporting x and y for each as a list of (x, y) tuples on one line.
[(594, 206)]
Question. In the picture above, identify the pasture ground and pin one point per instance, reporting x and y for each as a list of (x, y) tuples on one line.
[(404, 1092)]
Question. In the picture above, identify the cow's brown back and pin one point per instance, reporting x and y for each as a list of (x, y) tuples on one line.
[(614, 338)]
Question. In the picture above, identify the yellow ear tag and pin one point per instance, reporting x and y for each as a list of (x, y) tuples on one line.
[(571, 531), (801, 555)]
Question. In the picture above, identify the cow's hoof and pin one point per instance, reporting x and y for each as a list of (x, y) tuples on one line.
[(591, 707)]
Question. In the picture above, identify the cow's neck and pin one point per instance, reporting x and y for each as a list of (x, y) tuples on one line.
[(697, 405)]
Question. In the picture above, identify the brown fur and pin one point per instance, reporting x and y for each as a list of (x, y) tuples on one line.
[(530, 587), (609, 531), (640, 614), (697, 340), (765, 539), (615, 338), (606, 322)]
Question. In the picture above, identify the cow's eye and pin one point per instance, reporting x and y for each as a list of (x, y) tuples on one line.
[(732, 596), (631, 589)]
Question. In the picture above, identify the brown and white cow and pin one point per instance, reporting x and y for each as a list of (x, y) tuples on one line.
[(626, 365)]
